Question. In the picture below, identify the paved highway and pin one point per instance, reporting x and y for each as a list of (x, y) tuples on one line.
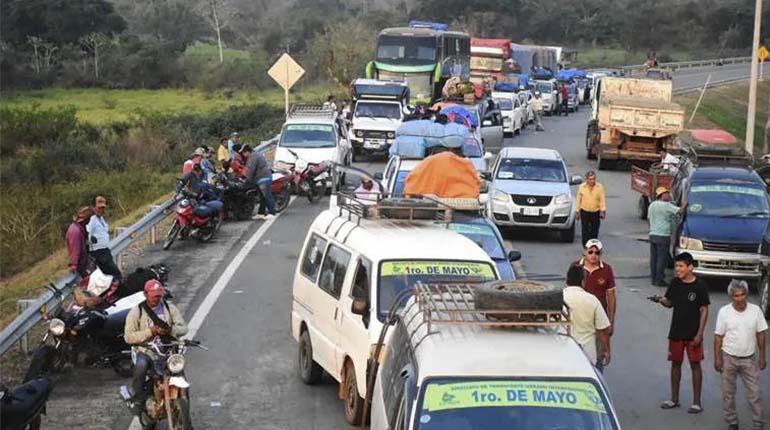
[(237, 292)]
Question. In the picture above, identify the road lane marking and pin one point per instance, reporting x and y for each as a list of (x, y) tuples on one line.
[(211, 298)]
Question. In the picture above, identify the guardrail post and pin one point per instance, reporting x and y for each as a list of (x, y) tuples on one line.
[(22, 305), (119, 257), (154, 228)]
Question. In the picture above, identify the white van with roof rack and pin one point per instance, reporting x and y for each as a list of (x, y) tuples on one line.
[(357, 258), (451, 364)]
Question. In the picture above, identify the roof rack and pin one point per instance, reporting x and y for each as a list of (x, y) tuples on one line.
[(399, 209), (305, 110)]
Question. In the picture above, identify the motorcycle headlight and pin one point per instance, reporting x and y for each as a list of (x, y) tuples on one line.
[(391, 135), (500, 196), (175, 363), (690, 243), (359, 133), (184, 203), (56, 327), (301, 165), (562, 199)]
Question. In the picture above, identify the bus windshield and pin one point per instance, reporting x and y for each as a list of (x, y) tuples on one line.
[(406, 49)]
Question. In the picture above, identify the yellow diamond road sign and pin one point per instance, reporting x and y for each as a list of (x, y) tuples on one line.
[(286, 71), (763, 53)]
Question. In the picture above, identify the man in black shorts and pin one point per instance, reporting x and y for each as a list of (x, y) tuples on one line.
[(689, 297)]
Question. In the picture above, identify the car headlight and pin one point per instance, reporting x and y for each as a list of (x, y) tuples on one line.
[(562, 199), (391, 135), (175, 363), (690, 243), (359, 133), (500, 196), (56, 327)]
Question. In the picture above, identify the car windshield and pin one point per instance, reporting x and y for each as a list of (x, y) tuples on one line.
[(406, 49), (378, 110), (398, 188), (505, 104), (308, 136), (727, 201), (400, 275), (526, 169), (471, 148), (545, 88), (524, 97), (483, 235), (512, 404)]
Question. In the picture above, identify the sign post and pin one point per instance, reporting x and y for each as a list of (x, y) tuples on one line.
[(286, 72), (762, 53)]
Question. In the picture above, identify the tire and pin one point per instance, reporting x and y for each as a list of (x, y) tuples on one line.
[(589, 142), (309, 371), (282, 199), (353, 403), (644, 202), (518, 295), (34, 424), (568, 236), (172, 234), (181, 411), (41, 363), (602, 163), (764, 295), (246, 210)]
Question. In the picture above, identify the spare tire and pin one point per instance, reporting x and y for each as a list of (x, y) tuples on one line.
[(521, 295)]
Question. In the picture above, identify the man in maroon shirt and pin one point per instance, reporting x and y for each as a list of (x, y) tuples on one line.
[(77, 247), (599, 280)]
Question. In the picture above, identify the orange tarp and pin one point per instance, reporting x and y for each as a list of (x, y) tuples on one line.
[(444, 175)]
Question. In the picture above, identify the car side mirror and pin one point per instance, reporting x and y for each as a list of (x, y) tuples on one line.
[(576, 180), (487, 176), (484, 198), (514, 255), (488, 156), (359, 307), (378, 176), (486, 123)]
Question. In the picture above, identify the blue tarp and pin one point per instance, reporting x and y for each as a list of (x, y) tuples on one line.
[(414, 137), (570, 74), (542, 74), (461, 112), (506, 87)]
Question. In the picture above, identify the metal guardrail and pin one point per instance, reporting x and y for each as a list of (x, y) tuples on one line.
[(50, 299), (676, 65)]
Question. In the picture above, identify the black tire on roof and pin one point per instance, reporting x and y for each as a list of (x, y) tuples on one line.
[(518, 295)]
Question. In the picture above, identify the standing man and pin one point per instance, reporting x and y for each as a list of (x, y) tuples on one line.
[(223, 152), (738, 338), (77, 244), (537, 109), (589, 325), (234, 140), (660, 214), (599, 280), (259, 173), (99, 238), (590, 206), (689, 297), (564, 98)]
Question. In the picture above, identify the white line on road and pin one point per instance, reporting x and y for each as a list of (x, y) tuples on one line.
[(211, 298)]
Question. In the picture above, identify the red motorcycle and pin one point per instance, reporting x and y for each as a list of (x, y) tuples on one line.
[(306, 178), (281, 188), (195, 219)]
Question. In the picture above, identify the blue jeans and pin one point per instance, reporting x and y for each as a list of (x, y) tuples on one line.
[(658, 257), (208, 209), (142, 364), (265, 185)]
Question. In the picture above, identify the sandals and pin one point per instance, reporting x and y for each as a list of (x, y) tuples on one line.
[(669, 404), (695, 409)]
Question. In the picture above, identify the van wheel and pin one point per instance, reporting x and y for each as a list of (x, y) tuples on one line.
[(644, 202), (309, 371), (354, 404), (764, 295)]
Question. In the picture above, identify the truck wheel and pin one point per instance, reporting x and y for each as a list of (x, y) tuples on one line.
[(309, 371), (589, 142), (354, 404), (644, 202), (603, 163), (764, 295), (518, 295), (568, 236)]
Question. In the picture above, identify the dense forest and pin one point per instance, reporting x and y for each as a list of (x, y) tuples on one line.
[(228, 43)]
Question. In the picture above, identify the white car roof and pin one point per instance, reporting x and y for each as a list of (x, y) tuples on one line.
[(504, 95), (391, 240), (536, 153)]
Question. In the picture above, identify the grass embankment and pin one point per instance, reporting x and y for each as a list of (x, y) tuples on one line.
[(726, 108), (612, 57)]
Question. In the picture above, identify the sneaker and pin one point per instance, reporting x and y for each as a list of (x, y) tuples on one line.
[(268, 217), (258, 216)]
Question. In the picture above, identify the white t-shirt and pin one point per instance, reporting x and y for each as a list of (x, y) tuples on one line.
[(740, 329), (587, 315)]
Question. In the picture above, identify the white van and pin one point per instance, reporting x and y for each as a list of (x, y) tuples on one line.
[(378, 110), (470, 370), (351, 271)]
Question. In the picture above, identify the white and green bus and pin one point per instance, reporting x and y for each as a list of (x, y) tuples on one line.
[(424, 55)]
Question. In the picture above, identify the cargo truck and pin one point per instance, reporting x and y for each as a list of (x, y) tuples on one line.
[(632, 119), (488, 58)]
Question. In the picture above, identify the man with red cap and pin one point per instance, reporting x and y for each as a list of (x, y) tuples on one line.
[(150, 320)]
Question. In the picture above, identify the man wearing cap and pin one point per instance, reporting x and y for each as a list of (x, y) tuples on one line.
[(599, 280), (660, 214), (77, 245), (99, 238), (234, 139), (589, 325), (150, 320), (194, 159)]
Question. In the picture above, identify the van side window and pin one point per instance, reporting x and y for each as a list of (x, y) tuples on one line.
[(333, 271), (399, 356), (360, 289), (311, 261)]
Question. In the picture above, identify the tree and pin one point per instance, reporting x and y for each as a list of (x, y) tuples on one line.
[(217, 14), (342, 60), (94, 42)]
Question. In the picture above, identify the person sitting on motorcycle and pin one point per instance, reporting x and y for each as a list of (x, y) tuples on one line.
[(259, 173), (151, 320), (209, 171), (194, 159), (194, 184), (238, 163)]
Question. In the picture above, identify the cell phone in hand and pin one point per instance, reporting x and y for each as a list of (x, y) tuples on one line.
[(655, 299)]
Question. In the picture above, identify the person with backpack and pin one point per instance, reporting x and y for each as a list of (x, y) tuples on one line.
[(151, 320)]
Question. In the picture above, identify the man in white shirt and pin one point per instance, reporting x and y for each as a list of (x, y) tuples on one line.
[(587, 316), (738, 338), (99, 238)]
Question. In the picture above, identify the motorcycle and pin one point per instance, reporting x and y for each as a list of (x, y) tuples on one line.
[(92, 335), (305, 177), (193, 219), (167, 388), (238, 198), (21, 408)]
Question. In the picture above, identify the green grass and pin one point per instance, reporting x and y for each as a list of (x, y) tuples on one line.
[(101, 106), (612, 57), (726, 108)]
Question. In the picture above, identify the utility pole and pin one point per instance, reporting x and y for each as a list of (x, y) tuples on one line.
[(364, 7), (753, 83)]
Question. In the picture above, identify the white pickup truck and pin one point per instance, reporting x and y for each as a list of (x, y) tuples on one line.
[(378, 110)]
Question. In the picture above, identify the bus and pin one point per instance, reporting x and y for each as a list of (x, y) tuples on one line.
[(424, 55)]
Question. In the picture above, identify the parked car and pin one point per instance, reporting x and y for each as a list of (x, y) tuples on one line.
[(489, 118), (512, 110), (377, 112), (531, 189), (482, 231)]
